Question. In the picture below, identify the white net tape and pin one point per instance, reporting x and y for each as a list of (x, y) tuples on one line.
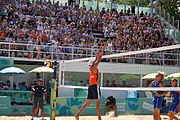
[(130, 89)]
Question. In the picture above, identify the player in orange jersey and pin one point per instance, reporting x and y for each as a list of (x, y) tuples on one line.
[(93, 89)]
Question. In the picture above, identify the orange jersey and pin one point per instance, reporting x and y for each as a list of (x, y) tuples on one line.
[(93, 77)]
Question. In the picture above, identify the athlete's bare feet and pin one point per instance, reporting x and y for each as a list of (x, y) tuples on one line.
[(76, 116)]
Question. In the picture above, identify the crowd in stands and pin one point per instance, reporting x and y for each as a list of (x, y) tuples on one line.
[(7, 86), (21, 85), (114, 84), (44, 26)]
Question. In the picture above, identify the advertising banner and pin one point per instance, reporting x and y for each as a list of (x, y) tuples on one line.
[(5, 105)]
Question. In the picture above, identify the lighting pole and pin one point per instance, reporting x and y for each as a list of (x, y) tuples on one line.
[(98, 5), (138, 8), (83, 3), (124, 5)]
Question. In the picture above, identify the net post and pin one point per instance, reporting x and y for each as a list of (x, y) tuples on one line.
[(53, 93), (53, 99)]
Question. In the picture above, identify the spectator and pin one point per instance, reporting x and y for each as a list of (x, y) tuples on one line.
[(114, 6), (8, 86), (82, 83), (110, 105), (113, 84), (23, 87), (19, 85), (107, 84), (14, 86), (38, 47), (1, 85), (77, 4), (133, 9), (37, 78), (124, 83)]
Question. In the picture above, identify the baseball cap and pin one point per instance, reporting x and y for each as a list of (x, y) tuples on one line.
[(90, 62)]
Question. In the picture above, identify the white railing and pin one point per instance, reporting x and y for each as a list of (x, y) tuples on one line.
[(67, 52)]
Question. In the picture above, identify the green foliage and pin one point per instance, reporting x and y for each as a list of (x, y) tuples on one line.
[(142, 3), (171, 6)]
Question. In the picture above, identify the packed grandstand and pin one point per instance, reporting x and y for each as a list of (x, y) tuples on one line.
[(42, 30)]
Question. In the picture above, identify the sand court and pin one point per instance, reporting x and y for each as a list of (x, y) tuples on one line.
[(120, 117)]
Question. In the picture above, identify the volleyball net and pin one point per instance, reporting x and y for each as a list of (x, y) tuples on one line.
[(123, 70)]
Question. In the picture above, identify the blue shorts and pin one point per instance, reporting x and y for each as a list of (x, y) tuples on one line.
[(174, 106), (157, 102)]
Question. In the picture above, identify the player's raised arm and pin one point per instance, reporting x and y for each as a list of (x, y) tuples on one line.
[(151, 85), (98, 58), (102, 51), (98, 52)]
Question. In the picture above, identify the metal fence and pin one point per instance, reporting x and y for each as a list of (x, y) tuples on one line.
[(171, 26), (108, 5), (68, 52)]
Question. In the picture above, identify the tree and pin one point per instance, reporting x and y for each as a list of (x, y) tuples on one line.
[(171, 6), (143, 3)]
